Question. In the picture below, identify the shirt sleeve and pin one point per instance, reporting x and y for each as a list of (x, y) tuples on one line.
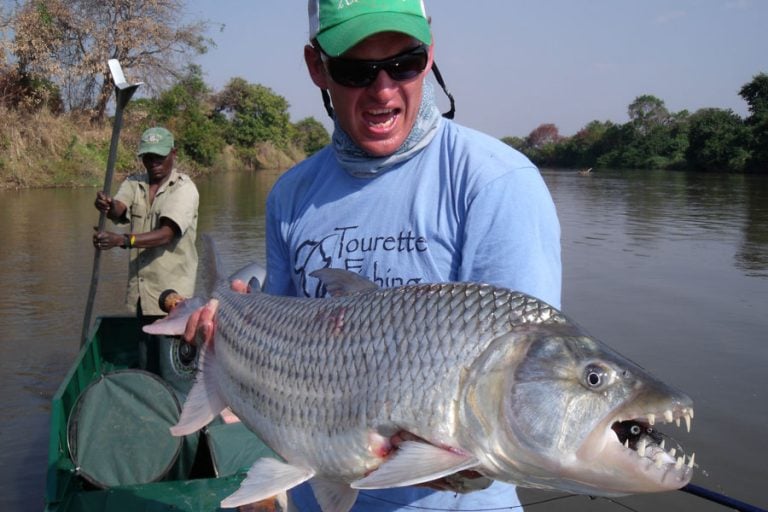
[(512, 236), (279, 280), (125, 194), (182, 210)]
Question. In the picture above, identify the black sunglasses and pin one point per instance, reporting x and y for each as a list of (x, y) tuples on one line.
[(362, 73)]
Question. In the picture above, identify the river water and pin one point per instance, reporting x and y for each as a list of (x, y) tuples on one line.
[(671, 269)]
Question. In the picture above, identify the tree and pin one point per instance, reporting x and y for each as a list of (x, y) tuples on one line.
[(255, 113), (652, 139), (755, 93), (717, 141), (541, 142), (311, 135), (70, 41), (187, 111), (647, 112), (543, 135), (584, 148), (516, 142)]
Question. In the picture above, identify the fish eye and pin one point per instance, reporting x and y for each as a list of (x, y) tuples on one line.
[(596, 376)]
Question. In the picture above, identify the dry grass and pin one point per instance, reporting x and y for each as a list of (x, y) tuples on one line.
[(41, 149)]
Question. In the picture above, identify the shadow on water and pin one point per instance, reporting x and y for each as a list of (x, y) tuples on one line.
[(752, 256)]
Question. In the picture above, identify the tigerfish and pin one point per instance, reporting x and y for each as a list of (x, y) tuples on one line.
[(481, 377)]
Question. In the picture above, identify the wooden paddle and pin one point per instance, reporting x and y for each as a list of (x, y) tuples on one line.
[(123, 93)]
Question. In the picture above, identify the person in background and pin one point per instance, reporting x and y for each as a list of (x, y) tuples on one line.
[(160, 208), (402, 195)]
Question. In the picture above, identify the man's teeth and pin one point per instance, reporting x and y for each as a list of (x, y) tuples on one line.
[(387, 121)]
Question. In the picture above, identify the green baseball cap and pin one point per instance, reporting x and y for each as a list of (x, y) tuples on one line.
[(157, 141), (340, 25)]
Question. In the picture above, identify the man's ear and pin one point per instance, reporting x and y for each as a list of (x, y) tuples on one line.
[(315, 66)]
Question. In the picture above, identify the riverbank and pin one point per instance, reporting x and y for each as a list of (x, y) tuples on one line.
[(43, 150)]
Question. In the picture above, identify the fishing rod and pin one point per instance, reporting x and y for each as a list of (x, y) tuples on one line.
[(722, 499), (696, 490), (123, 93)]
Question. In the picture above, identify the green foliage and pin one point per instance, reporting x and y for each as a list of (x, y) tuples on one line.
[(583, 149), (654, 138), (255, 114), (540, 145), (185, 110), (755, 93), (647, 112), (311, 135), (516, 142), (718, 141)]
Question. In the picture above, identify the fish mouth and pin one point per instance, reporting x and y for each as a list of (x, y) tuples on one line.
[(658, 459)]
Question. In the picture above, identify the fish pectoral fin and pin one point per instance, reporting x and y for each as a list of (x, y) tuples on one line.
[(267, 478), (176, 321), (204, 400), (415, 463), (336, 496)]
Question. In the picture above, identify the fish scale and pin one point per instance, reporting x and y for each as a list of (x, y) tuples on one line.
[(344, 362), (486, 378)]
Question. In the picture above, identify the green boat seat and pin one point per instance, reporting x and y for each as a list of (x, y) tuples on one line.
[(234, 448)]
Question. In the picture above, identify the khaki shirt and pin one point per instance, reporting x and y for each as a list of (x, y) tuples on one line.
[(151, 271)]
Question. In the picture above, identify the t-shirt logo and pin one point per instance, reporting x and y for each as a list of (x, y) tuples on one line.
[(348, 249)]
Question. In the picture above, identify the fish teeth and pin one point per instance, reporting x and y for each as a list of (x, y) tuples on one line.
[(690, 463), (659, 459), (687, 418), (679, 462), (651, 419), (673, 452), (668, 416), (677, 421), (641, 447)]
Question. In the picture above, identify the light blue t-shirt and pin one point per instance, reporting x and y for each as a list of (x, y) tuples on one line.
[(467, 207)]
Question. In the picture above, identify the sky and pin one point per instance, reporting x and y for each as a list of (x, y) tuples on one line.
[(515, 64)]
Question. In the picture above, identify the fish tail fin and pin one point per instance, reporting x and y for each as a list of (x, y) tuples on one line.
[(204, 400)]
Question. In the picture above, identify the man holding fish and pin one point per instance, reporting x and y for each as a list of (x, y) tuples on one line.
[(402, 195), (411, 372)]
